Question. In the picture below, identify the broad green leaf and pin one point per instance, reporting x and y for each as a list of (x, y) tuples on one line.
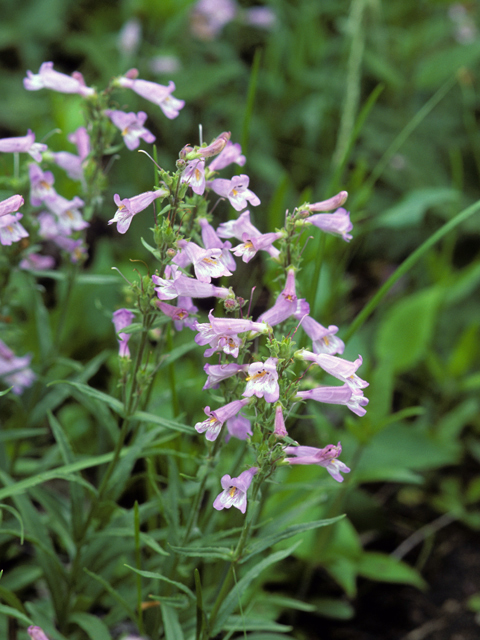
[(235, 595), (95, 628), (407, 329), (269, 541), (171, 625), (385, 568)]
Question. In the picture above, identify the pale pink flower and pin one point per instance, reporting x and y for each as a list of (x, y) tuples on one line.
[(181, 315), (238, 427), (337, 395), (212, 241), (326, 205), (131, 126), (218, 372), (342, 369), (41, 185), (24, 144), (242, 227), (287, 304), (14, 370), (250, 246), (129, 207), (207, 263), (194, 175), (231, 153), (11, 230), (337, 223), (122, 318), (208, 17), (279, 424), (176, 284), (236, 190), (156, 93), (234, 492), (323, 339), (262, 380), (11, 205), (36, 633), (216, 419), (129, 36), (68, 213), (37, 262), (48, 78), (326, 457)]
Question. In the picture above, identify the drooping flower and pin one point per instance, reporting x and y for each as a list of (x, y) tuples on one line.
[(176, 284), (41, 185), (231, 153), (214, 147), (36, 633), (262, 380), (69, 162), (235, 491), (15, 370), (323, 340), (154, 92), (342, 369), (279, 423), (24, 144), (326, 457), (131, 126), (11, 230), (337, 395), (218, 372), (337, 223), (216, 419), (48, 78), (129, 207), (287, 304), (121, 319), (236, 190), (11, 205)]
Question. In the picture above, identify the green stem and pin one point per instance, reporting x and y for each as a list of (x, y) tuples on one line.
[(408, 264)]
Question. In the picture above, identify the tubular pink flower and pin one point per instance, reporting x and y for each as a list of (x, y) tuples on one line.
[(11, 230), (176, 284), (41, 185), (231, 153), (262, 17), (337, 223), (285, 305), (342, 369), (262, 380), (326, 457), (194, 175), (208, 17), (129, 207), (68, 213), (214, 147), (242, 225), (250, 246), (48, 78), (238, 427), (207, 263), (235, 491), (215, 420), (15, 370), (37, 262), (221, 334), (11, 205), (36, 633), (121, 319), (218, 372), (69, 162), (337, 395), (24, 144), (181, 315), (323, 340), (131, 126), (328, 205), (154, 92), (81, 140), (236, 190), (279, 424), (212, 241)]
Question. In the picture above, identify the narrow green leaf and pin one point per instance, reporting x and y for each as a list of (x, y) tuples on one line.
[(11, 599), (21, 434), (239, 623), (18, 517), (158, 576), (171, 625), (115, 404), (204, 552), (14, 613), (385, 568), (201, 615), (108, 587), (95, 628), (143, 416)]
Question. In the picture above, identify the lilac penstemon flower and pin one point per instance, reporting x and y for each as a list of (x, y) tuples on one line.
[(73, 164), (11, 205), (24, 144), (181, 314), (287, 304), (234, 492), (41, 185), (262, 380), (242, 226), (212, 241), (216, 419), (154, 92), (48, 78), (342, 369), (279, 429), (131, 126), (221, 333), (325, 205), (337, 395), (207, 263), (194, 175), (251, 245), (68, 213), (337, 223), (238, 427), (176, 284), (218, 372), (37, 262), (326, 457), (11, 230), (230, 154), (236, 190), (323, 339), (122, 318), (214, 148), (208, 17), (15, 370), (36, 633), (129, 207)]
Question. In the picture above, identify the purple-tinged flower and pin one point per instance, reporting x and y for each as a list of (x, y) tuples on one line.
[(215, 420), (194, 175), (221, 333), (154, 92), (131, 126), (326, 457), (11, 230), (208, 17), (342, 369), (48, 78), (121, 319), (243, 227), (70, 163), (214, 147), (36, 633), (262, 380), (68, 213), (37, 262), (81, 140), (11, 205), (337, 395), (15, 370), (236, 190), (207, 263), (287, 304), (218, 372), (176, 284), (24, 144), (49, 226), (181, 315), (238, 427), (250, 246), (129, 36), (323, 340), (231, 153), (235, 491), (41, 185), (337, 223), (262, 17), (326, 205), (279, 424), (75, 248), (212, 241), (128, 207)]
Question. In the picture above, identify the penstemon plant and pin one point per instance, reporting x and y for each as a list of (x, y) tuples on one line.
[(259, 376)]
